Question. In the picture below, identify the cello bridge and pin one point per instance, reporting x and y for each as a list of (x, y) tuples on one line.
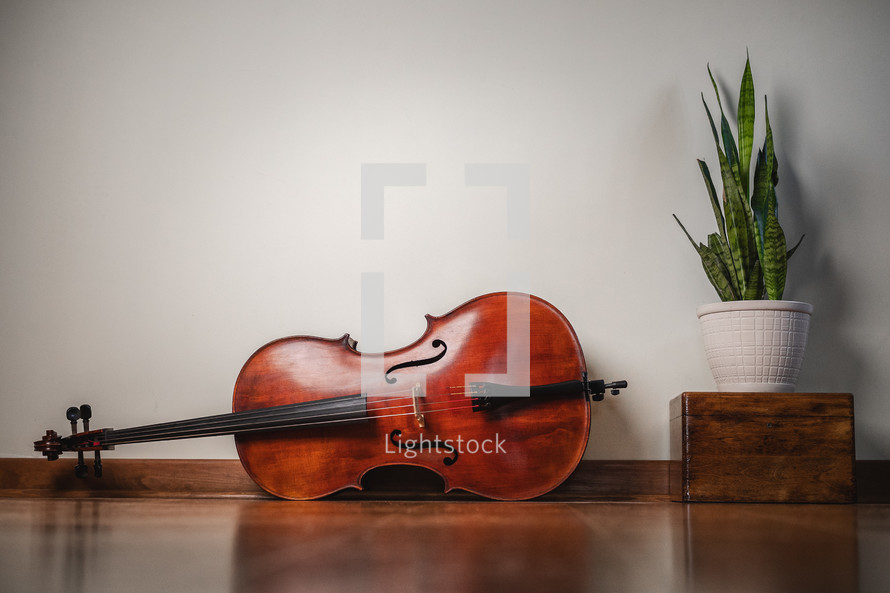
[(417, 392)]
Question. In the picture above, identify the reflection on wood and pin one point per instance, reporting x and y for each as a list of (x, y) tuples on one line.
[(269, 546)]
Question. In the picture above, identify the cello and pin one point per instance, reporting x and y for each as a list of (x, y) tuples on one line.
[(493, 397)]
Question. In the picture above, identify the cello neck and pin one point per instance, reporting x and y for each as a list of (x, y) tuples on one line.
[(338, 410)]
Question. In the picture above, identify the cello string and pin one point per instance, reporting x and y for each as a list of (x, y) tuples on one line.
[(268, 417), (284, 412), (231, 423), (251, 419), (261, 414), (283, 427), (113, 439), (244, 416)]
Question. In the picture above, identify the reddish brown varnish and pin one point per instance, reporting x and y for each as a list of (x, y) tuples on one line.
[(542, 438), (306, 425)]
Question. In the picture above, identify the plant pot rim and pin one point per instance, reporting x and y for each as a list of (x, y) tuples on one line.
[(760, 305)]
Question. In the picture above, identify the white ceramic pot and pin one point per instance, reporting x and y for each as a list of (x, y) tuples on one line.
[(755, 345)]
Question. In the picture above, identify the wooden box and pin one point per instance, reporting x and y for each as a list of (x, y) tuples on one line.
[(762, 447)]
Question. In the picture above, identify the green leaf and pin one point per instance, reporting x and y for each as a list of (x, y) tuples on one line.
[(754, 290), (716, 91), (768, 147), (748, 257), (736, 237), (739, 223), (738, 232), (729, 146), (760, 199), (775, 256), (711, 119), (712, 193), (732, 153), (718, 245), (746, 125), (715, 270)]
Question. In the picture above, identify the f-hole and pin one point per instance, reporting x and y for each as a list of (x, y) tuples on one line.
[(417, 363)]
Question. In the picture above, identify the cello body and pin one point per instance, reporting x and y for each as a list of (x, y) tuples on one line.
[(420, 407)]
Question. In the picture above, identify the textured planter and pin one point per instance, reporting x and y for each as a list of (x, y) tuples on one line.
[(755, 345)]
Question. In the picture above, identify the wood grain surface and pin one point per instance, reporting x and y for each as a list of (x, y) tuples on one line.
[(763, 447), (274, 546)]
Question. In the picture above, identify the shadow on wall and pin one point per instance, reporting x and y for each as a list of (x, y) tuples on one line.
[(832, 363)]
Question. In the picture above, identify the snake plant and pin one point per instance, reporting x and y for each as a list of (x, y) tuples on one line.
[(747, 259)]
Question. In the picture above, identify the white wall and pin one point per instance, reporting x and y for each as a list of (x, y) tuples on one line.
[(180, 183)]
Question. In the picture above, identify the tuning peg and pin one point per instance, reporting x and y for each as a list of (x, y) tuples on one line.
[(81, 470), (86, 412), (73, 415), (97, 464)]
